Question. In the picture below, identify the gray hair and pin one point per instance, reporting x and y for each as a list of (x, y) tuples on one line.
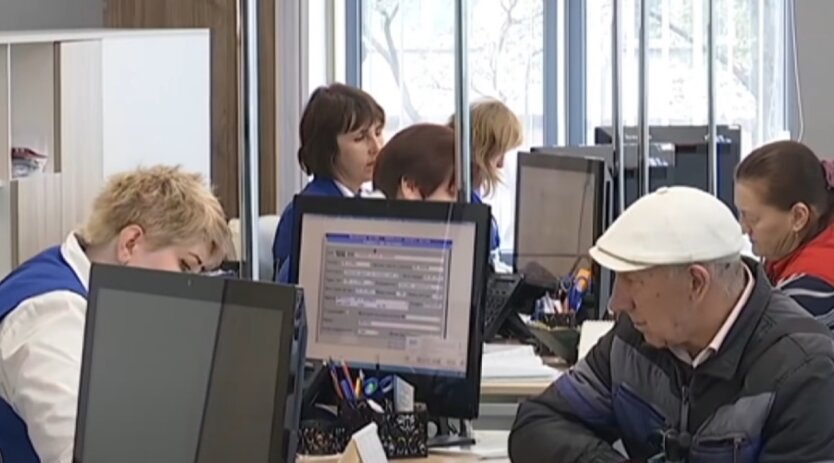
[(728, 272)]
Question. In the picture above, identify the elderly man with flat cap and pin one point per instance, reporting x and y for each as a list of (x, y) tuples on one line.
[(706, 363)]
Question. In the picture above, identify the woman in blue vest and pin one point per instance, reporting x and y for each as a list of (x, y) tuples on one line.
[(157, 218), (341, 135), (495, 130)]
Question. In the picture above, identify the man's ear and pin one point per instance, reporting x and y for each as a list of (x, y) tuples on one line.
[(127, 241), (700, 281)]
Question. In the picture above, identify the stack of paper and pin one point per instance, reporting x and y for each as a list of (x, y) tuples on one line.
[(489, 445), (590, 333), (513, 363)]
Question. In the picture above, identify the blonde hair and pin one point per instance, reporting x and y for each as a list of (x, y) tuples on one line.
[(172, 207), (495, 129)]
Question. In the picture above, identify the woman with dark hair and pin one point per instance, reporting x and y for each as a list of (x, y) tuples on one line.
[(785, 196), (341, 135), (418, 163)]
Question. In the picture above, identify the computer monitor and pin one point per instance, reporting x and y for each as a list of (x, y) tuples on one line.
[(559, 213), (397, 284), (180, 367), (690, 167)]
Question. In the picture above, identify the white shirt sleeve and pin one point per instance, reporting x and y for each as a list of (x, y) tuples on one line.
[(41, 344)]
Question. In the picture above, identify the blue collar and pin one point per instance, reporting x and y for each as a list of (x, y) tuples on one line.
[(324, 186)]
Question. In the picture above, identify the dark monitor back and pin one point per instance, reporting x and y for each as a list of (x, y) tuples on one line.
[(191, 368), (676, 134), (690, 166), (559, 212)]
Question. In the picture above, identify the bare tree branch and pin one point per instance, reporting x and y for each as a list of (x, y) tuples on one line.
[(738, 72), (495, 60), (391, 56)]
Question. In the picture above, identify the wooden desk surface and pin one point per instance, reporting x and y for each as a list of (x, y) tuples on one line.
[(512, 389)]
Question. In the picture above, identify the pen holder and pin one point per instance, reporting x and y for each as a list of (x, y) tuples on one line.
[(403, 435), (560, 339), (318, 437), (559, 320)]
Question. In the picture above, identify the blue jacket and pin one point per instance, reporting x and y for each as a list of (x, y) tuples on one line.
[(494, 237), (44, 273), (282, 246)]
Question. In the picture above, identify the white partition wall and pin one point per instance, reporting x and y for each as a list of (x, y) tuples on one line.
[(167, 77), (96, 103)]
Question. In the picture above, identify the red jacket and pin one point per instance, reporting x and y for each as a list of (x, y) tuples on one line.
[(807, 275)]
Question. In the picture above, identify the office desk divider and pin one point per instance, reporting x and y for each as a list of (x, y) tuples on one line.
[(403, 435)]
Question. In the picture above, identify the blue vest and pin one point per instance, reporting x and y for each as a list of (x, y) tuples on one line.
[(282, 246), (494, 237), (44, 273)]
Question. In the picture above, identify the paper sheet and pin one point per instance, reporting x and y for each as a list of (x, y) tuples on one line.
[(590, 333), (364, 447), (514, 362)]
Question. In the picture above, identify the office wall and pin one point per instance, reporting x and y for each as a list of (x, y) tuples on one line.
[(50, 14), (815, 59), (144, 75), (221, 17)]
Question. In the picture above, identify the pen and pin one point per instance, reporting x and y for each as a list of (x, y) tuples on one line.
[(346, 371), (335, 380)]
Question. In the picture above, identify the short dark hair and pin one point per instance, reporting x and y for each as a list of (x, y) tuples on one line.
[(421, 153), (331, 111), (788, 173)]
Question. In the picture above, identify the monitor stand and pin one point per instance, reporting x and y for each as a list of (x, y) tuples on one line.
[(446, 438)]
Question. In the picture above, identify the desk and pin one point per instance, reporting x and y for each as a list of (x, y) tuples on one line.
[(500, 399), (521, 389)]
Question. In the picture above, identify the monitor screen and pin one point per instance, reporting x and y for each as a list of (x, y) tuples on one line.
[(177, 368), (396, 286), (393, 292), (558, 213)]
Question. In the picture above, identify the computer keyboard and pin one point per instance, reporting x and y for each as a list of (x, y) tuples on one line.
[(499, 292)]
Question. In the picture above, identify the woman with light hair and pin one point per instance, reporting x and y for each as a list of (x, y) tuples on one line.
[(157, 218), (495, 130)]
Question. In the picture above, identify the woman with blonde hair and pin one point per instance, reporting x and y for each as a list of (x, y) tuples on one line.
[(495, 130), (156, 218)]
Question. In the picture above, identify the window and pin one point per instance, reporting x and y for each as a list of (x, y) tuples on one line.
[(408, 66), (749, 67)]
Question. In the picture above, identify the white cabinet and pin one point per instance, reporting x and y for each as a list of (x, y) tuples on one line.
[(96, 103)]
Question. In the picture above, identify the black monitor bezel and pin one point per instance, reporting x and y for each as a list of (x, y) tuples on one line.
[(563, 162), (444, 399), (205, 288)]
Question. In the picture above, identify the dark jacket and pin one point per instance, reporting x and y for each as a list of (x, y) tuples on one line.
[(282, 245), (767, 395), (494, 235)]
